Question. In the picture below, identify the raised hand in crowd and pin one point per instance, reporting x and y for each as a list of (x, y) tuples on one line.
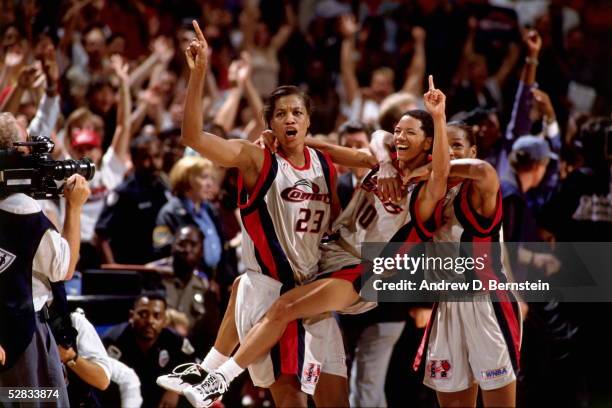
[(50, 69), (121, 138), (534, 43), (28, 79), (163, 50), (2, 355), (348, 26), (544, 105), (416, 70)]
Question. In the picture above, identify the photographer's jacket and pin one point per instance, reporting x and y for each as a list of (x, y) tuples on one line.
[(32, 253)]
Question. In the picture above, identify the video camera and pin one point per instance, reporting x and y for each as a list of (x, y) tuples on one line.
[(35, 173)]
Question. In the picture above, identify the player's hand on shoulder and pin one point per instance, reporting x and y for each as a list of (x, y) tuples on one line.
[(419, 174), (267, 139), (389, 183)]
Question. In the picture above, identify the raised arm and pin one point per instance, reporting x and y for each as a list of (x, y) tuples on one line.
[(416, 71), (435, 188), (468, 52), (122, 136), (284, 32), (48, 111), (248, 19), (161, 56), (520, 120), (257, 125), (348, 28), (25, 82), (226, 115), (507, 64), (227, 153)]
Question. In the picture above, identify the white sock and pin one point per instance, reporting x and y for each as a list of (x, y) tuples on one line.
[(230, 370), (213, 360)]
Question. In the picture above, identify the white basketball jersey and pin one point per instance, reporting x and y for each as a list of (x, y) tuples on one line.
[(285, 217), (367, 219)]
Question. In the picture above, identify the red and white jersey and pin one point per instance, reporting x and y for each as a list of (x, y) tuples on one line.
[(496, 313), (367, 218), (285, 217), (458, 222)]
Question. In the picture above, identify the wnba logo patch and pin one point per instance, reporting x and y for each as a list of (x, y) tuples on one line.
[(493, 374), (439, 369), (312, 373), (6, 259)]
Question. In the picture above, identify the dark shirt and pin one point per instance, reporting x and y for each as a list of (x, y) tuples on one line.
[(345, 188), (128, 219), (169, 350)]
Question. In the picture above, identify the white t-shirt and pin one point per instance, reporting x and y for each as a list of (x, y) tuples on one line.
[(365, 111), (89, 344), (107, 177), (128, 382), (52, 257)]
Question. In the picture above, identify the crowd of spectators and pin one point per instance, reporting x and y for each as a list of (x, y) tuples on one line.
[(106, 79)]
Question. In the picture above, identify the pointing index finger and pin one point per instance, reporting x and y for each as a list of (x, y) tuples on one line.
[(431, 83), (198, 31)]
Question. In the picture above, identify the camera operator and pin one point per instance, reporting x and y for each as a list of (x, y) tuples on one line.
[(88, 364), (32, 255)]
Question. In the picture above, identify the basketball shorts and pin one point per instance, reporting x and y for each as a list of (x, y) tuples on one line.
[(308, 347), (474, 341)]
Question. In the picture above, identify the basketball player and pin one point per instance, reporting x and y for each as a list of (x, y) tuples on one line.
[(335, 291), (476, 342), (286, 206)]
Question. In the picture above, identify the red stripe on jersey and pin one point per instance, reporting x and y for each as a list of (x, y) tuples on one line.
[(470, 216), (263, 174), (418, 358), (306, 165), (349, 274), (289, 349), (506, 304), (479, 250), (412, 239), (421, 225), (252, 223)]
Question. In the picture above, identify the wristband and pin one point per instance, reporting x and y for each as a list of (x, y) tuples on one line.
[(531, 61)]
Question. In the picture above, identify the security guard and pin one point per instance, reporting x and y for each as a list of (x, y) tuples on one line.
[(188, 284), (129, 214), (150, 349)]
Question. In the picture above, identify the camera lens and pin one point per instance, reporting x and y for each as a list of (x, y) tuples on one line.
[(66, 168)]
